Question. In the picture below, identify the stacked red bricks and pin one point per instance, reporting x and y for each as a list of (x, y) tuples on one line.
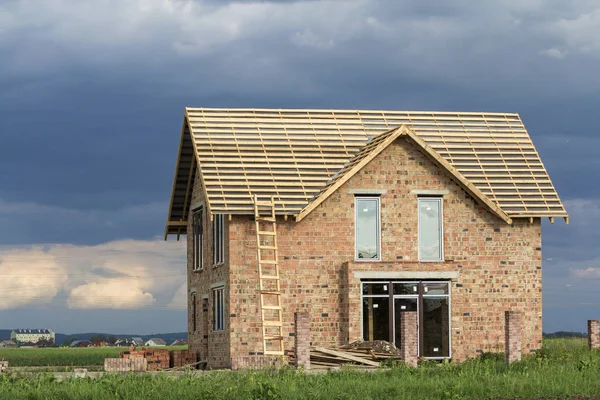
[(512, 347), (181, 358), (408, 338), (157, 359), (302, 339), (594, 334)]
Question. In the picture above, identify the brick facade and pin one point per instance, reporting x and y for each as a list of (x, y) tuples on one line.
[(594, 334), (494, 266), (512, 338)]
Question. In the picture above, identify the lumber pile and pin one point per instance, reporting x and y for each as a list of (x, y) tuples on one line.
[(359, 357), (157, 359)]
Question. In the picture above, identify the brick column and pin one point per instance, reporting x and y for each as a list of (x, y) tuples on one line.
[(409, 338), (302, 339), (512, 336), (594, 334)]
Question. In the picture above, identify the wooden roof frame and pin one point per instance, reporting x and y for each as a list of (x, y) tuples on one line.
[(372, 150)]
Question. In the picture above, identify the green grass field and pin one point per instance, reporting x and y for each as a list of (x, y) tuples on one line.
[(563, 368), (64, 356)]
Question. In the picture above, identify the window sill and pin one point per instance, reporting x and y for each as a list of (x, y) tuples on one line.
[(365, 260), (218, 265), (198, 270)]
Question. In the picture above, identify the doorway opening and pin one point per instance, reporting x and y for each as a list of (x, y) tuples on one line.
[(385, 302)]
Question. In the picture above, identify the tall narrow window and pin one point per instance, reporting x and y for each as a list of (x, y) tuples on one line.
[(198, 238), (194, 311), (218, 238), (431, 239), (218, 309), (368, 232)]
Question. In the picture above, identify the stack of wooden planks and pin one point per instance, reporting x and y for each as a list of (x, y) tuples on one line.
[(361, 357)]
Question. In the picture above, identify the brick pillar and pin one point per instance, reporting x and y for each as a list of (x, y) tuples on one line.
[(512, 336), (594, 334), (302, 339), (409, 338)]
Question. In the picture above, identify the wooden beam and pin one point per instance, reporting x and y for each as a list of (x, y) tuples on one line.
[(347, 356), (566, 220), (551, 220), (179, 152)]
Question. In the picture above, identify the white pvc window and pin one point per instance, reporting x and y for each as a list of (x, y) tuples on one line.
[(198, 239), (218, 239), (219, 309), (431, 239), (368, 228)]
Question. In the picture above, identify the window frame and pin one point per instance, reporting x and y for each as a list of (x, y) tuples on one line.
[(358, 198), (194, 313), (218, 308), (440, 201), (218, 239), (198, 239)]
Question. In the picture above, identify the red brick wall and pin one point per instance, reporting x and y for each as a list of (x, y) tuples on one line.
[(211, 346), (498, 265)]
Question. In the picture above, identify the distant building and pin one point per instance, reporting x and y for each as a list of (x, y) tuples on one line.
[(81, 343), (156, 342), (136, 341), (32, 336), (8, 344), (179, 342)]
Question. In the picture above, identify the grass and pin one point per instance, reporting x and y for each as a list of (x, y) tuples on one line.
[(63, 356), (564, 367)]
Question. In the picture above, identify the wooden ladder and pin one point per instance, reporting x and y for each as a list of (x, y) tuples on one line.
[(268, 276)]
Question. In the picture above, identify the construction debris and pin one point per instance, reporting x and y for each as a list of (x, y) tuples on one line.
[(357, 355), (378, 346), (3, 366)]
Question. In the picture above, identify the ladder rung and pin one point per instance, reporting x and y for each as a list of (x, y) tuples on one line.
[(273, 292), (270, 277), (270, 262), (274, 352), (264, 203), (271, 233), (267, 247), (265, 219), (273, 337), (272, 323), (271, 307)]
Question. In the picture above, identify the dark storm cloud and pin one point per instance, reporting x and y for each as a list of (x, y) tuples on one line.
[(92, 95)]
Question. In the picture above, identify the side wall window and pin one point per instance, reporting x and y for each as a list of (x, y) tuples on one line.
[(218, 239), (368, 228), (219, 309), (194, 313), (431, 241), (198, 237)]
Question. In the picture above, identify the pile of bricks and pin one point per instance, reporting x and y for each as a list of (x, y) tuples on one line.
[(181, 358), (3, 366), (125, 364), (157, 359)]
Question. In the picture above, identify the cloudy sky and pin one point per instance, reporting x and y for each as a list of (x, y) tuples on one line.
[(92, 95)]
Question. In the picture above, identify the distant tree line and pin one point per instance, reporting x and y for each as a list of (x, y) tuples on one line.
[(564, 334)]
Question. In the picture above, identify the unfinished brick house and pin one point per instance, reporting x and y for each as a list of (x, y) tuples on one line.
[(376, 214)]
